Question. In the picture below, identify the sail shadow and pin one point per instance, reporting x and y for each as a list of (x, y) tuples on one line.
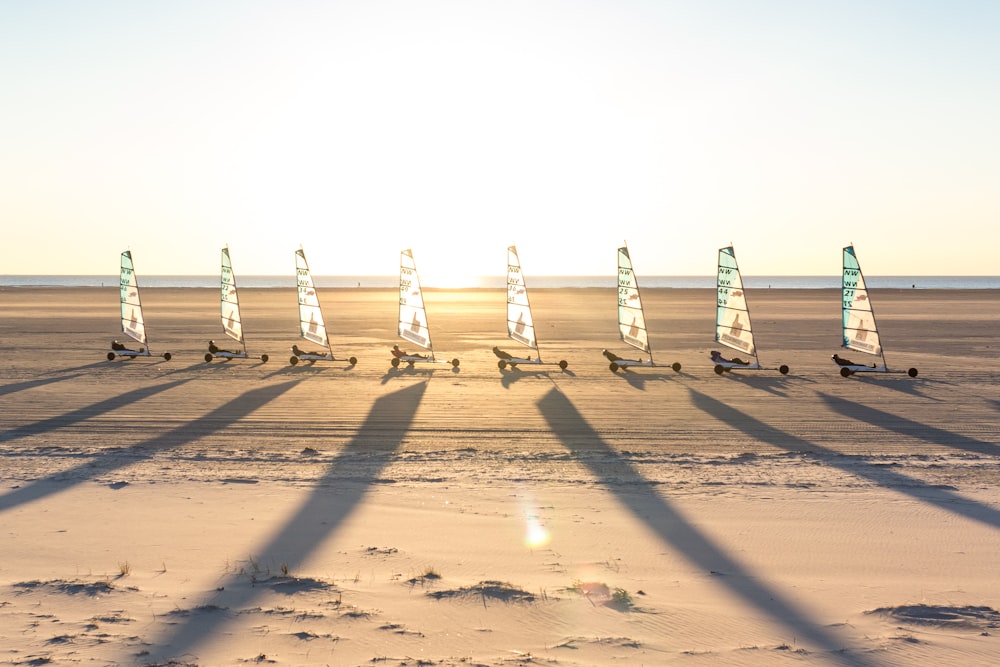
[(673, 529), (207, 424), (30, 384), (363, 459), (945, 499), (908, 427), (84, 413)]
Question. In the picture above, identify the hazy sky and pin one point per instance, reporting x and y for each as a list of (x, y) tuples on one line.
[(456, 128)]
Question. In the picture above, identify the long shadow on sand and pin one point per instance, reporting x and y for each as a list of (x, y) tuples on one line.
[(30, 384), (377, 440), (216, 420), (84, 413), (660, 516), (908, 427), (943, 498)]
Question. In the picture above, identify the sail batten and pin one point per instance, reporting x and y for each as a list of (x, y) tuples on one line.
[(732, 315), (232, 323), (133, 324), (312, 326), (631, 322), (520, 325), (412, 314), (860, 331)]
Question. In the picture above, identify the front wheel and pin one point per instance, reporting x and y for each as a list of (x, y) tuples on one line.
[(264, 358), (676, 366), (783, 369), (912, 372), (563, 364)]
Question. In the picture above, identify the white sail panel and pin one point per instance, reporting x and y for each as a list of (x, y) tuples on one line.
[(230, 302), (859, 328), (412, 315), (631, 323), (311, 324), (520, 326), (132, 322), (732, 317)]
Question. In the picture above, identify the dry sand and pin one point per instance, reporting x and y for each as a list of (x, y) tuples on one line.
[(185, 513)]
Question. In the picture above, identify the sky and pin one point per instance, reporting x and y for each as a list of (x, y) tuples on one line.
[(356, 129)]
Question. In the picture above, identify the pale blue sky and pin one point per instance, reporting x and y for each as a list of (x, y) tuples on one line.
[(787, 127)]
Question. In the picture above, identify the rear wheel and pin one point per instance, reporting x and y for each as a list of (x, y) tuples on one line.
[(676, 366), (563, 364), (167, 356), (501, 364), (719, 370), (454, 363), (208, 357), (912, 372), (293, 360), (264, 358), (394, 362), (111, 356), (354, 361), (783, 369), (845, 373), (613, 367)]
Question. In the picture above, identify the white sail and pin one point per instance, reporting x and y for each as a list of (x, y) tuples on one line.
[(859, 328), (631, 323), (732, 317), (132, 322), (412, 315), (230, 301), (311, 324), (520, 326)]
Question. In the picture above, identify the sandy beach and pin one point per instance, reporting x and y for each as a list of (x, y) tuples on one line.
[(189, 513)]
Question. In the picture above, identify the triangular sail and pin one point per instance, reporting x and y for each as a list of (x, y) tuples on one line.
[(132, 322), (412, 315), (311, 324), (732, 317), (520, 326), (860, 331), (232, 324), (631, 323)]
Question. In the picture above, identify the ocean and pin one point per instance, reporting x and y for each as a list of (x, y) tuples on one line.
[(499, 282)]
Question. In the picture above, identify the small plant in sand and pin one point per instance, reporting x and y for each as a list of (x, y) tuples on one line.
[(284, 569), (429, 574), (124, 569), (621, 599)]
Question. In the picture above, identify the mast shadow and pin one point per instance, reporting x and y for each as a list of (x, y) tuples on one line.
[(771, 385), (908, 427), (214, 421), (635, 493), (363, 459), (945, 499), (509, 376), (905, 385)]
